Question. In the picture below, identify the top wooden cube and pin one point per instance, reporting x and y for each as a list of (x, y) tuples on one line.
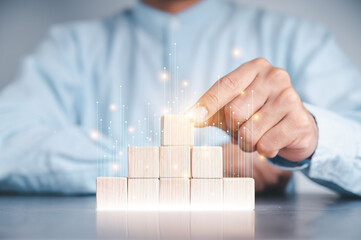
[(177, 130)]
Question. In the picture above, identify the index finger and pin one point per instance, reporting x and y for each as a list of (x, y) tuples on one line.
[(225, 90)]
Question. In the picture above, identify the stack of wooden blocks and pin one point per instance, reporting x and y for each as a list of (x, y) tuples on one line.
[(176, 175)]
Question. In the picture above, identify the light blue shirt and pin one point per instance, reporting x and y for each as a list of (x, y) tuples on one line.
[(90, 76)]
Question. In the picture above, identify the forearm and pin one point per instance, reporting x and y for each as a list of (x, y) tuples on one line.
[(44, 160)]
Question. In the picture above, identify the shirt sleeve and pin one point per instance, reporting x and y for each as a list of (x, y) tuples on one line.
[(330, 87), (43, 147)]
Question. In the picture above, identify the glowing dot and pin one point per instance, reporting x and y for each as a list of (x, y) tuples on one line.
[(120, 153), (94, 135), (261, 157), (236, 52), (131, 129), (149, 139), (256, 117), (112, 107), (115, 166), (165, 111), (185, 83), (164, 76), (242, 93)]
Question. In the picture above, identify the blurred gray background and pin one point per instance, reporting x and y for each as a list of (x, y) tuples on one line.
[(23, 23)]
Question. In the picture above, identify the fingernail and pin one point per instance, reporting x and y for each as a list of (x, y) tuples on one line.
[(198, 114)]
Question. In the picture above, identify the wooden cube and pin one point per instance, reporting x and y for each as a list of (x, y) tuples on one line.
[(143, 194), (238, 193), (143, 225), (207, 162), (175, 161), (174, 224), (143, 162), (174, 193), (206, 194), (177, 130), (111, 193)]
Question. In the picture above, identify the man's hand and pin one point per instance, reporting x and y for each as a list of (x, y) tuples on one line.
[(257, 104), (268, 179)]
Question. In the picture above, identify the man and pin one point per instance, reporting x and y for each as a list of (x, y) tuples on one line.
[(287, 93)]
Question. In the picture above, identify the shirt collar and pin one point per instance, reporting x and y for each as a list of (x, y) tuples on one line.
[(156, 21)]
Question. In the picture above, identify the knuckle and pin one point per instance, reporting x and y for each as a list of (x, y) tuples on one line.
[(289, 96), (228, 82), (304, 144), (263, 146), (279, 76), (213, 99), (261, 61), (236, 112)]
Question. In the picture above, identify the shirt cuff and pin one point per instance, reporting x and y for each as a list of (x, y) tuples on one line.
[(287, 165), (334, 150)]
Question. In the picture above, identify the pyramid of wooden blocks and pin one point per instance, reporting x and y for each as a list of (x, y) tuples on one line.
[(175, 175), (177, 130)]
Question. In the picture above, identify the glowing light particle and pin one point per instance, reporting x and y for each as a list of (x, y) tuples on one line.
[(115, 166), (185, 83), (236, 52), (164, 76), (131, 129), (112, 107), (94, 135)]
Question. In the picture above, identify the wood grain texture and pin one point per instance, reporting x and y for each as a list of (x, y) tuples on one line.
[(143, 193), (174, 193), (111, 193), (207, 162), (238, 193), (143, 162), (175, 162), (206, 193), (177, 130)]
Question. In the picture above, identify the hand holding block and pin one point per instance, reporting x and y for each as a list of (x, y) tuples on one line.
[(206, 193), (174, 192), (175, 161), (143, 194), (143, 162), (207, 162), (238, 193), (177, 130), (111, 193)]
